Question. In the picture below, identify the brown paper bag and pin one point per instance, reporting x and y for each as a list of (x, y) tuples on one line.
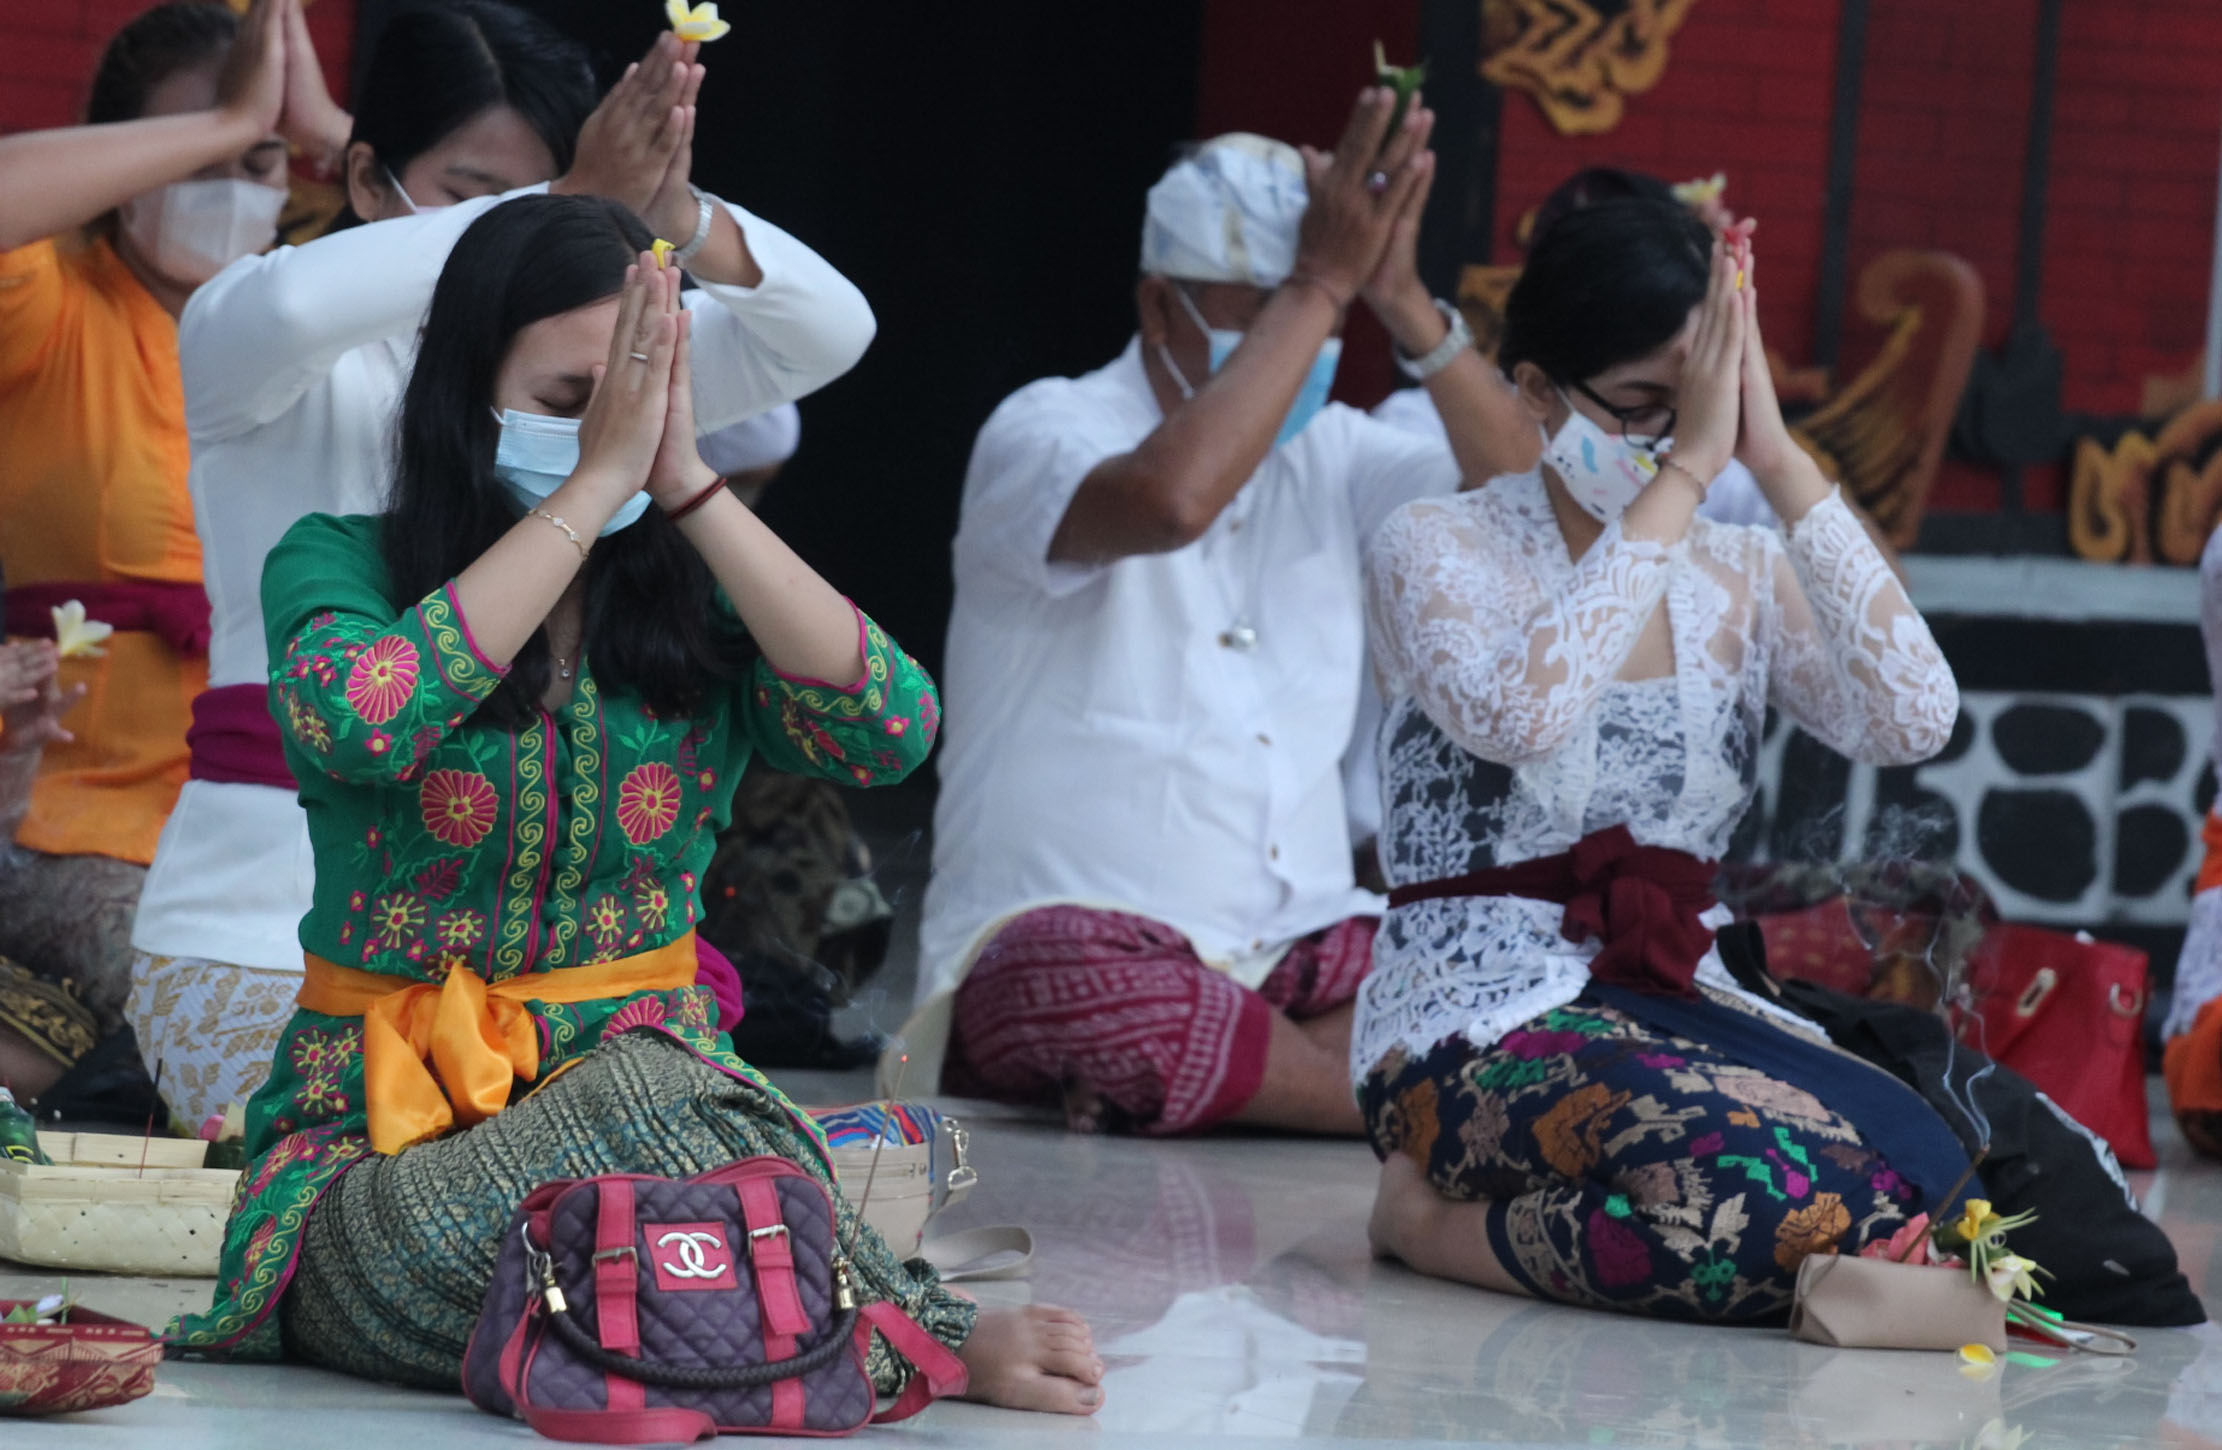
[(1878, 1304)]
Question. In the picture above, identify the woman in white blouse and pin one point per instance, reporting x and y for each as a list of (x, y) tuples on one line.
[(1571, 1096), (294, 364)]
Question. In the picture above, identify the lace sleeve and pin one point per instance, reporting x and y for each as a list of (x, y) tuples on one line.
[(1504, 666), (1852, 660)]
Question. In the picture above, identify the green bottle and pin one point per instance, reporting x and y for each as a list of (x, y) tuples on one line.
[(19, 1133)]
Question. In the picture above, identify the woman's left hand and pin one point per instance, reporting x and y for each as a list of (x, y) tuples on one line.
[(316, 124), (673, 211), (1763, 442), (1395, 292), (678, 474)]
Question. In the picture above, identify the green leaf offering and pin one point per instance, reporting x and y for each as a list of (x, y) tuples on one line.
[(1403, 80)]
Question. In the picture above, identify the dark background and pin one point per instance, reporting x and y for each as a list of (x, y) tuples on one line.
[(978, 170)]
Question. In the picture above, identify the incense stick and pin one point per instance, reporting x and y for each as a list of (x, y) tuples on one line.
[(1944, 1204), (146, 1143)]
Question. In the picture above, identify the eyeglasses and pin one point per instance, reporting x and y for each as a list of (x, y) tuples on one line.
[(1629, 419)]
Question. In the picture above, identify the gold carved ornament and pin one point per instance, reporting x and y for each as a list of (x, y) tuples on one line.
[(1579, 59), (2152, 495)]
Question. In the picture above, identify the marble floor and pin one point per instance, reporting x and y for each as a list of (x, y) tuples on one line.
[(1232, 1295)]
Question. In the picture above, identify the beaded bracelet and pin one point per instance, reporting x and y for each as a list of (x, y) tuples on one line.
[(1683, 469), (568, 532), (696, 502)]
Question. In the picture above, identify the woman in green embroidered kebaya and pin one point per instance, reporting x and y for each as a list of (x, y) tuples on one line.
[(517, 705)]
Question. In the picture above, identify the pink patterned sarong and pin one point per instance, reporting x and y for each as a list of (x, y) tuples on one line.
[(1123, 1007)]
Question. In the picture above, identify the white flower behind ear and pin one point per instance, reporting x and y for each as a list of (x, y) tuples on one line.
[(79, 637)]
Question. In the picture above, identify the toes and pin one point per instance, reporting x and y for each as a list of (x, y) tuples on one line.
[(1064, 1336), (1073, 1364), (1054, 1314)]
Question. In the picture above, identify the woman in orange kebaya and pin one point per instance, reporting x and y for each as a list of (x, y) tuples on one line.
[(109, 227)]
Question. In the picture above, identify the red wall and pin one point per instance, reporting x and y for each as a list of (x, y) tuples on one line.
[(2137, 117), (48, 49), (1290, 69), (1746, 91)]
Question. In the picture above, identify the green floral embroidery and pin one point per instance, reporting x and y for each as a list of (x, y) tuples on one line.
[(443, 842)]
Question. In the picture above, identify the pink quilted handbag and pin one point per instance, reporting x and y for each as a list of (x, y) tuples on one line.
[(629, 1310)]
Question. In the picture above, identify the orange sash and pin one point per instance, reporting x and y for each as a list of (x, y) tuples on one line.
[(2210, 870), (477, 1038)]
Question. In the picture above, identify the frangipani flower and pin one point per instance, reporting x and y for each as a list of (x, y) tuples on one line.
[(79, 637), (1702, 190), (1977, 1354), (2009, 1275), (662, 249), (699, 23)]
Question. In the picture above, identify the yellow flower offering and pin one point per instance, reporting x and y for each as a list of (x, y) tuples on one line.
[(699, 23), (662, 250), (1702, 191), (1975, 1219), (79, 637)]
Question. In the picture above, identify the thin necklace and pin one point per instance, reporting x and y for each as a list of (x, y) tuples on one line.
[(1241, 634)]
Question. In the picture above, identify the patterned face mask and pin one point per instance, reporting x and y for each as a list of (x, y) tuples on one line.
[(1602, 471)]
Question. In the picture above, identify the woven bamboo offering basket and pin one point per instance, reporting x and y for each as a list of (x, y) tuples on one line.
[(94, 1210)]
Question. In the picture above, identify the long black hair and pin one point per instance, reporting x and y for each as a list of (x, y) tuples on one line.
[(1606, 284), (438, 66), (654, 622)]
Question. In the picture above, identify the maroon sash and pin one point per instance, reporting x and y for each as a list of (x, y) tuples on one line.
[(234, 740), (1641, 902), (176, 612)]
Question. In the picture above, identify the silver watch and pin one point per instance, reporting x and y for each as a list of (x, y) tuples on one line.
[(701, 235), (1457, 340)]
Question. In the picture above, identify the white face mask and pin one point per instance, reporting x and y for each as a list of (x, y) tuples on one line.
[(190, 230), (538, 453), (1602, 471), (406, 200)]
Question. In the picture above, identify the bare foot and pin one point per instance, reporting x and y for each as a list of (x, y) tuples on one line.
[(1035, 1358), (1402, 1207)]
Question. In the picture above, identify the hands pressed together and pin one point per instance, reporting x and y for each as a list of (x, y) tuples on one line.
[(1361, 229), (1727, 396), (638, 146), (272, 82), (638, 429)]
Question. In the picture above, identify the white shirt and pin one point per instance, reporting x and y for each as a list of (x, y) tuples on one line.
[(294, 364), (1102, 745), (1734, 498)]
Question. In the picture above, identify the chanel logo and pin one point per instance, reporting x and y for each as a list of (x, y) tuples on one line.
[(694, 1250)]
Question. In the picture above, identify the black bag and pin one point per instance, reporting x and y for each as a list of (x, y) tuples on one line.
[(2108, 1262)]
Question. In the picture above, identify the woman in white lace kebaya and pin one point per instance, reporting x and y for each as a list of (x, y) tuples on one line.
[(1572, 1097)]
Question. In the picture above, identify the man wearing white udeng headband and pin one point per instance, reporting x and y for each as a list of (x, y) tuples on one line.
[(1143, 903)]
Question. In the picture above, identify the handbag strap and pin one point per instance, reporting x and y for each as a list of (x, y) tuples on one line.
[(619, 1427), (617, 1288), (937, 1372), (704, 1377), (1000, 1251)]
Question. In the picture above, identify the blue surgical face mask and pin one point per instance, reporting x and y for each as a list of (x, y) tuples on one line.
[(538, 453), (1310, 397)]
